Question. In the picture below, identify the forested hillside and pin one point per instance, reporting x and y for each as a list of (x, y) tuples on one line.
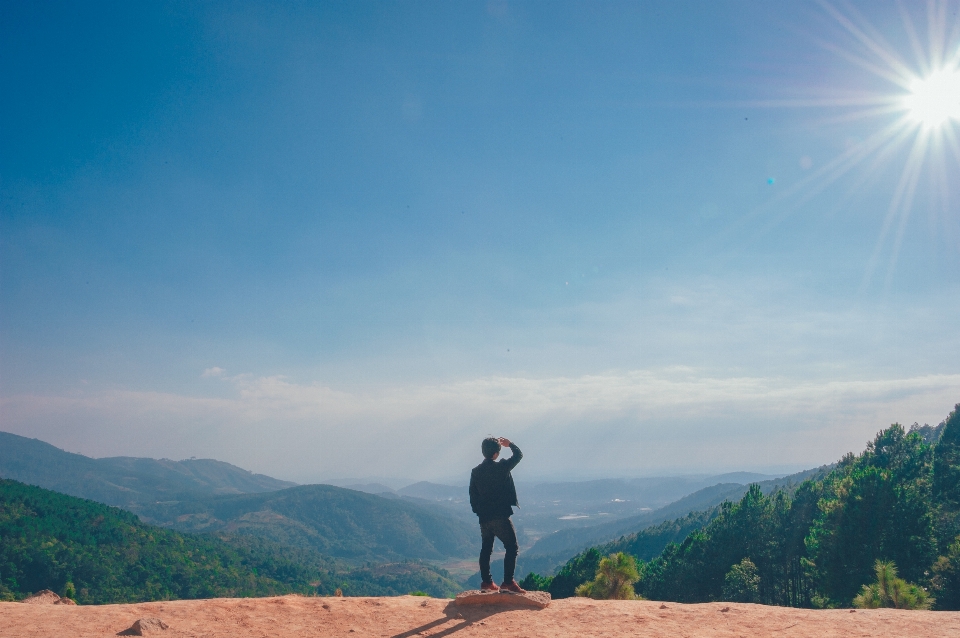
[(100, 554), (338, 522), (898, 501), (212, 496)]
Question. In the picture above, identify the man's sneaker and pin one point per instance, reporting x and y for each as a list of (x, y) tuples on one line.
[(513, 586), (489, 587)]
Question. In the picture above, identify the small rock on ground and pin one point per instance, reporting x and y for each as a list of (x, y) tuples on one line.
[(145, 627)]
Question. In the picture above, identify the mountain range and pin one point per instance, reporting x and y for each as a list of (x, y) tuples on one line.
[(124, 481), (212, 496), (367, 523)]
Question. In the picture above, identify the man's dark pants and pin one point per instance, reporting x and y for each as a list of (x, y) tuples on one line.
[(501, 528)]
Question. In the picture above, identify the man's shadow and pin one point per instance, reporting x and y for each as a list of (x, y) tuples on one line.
[(462, 617)]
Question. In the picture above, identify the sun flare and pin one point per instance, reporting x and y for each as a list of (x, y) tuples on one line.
[(935, 99), (918, 124)]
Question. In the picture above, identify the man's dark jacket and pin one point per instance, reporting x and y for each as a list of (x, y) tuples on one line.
[(492, 492)]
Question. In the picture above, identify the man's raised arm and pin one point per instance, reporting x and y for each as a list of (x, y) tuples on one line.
[(517, 454)]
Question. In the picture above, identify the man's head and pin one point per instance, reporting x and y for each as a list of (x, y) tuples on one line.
[(490, 448)]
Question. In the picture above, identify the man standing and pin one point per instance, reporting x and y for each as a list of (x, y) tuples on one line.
[(492, 497)]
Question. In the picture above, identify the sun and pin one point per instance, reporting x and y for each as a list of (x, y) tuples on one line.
[(935, 99)]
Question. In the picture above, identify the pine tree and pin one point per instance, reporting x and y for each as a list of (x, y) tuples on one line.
[(615, 577), (742, 583), (946, 462), (891, 591), (577, 570), (877, 505), (946, 578)]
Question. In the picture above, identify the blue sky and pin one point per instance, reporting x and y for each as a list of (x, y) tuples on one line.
[(324, 240)]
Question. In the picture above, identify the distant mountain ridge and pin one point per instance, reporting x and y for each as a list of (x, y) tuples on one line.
[(435, 491), (124, 481), (653, 492), (369, 488)]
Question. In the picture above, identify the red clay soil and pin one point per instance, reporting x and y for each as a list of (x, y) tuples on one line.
[(409, 616)]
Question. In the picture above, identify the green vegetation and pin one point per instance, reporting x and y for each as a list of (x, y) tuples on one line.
[(742, 583), (536, 582), (614, 580), (890, 591), (643, 545), (346, 524), (817, 546), (564, 583), (649, 542), (389, 579), (53, 541), (105, 555), (946, 578)]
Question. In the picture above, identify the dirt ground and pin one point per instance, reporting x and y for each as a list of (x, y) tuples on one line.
[(409, 616)]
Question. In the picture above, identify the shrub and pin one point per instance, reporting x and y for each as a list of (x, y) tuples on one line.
[(614, 580), (890, 591)]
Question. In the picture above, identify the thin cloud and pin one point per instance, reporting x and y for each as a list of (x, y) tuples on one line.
[(638, 421)]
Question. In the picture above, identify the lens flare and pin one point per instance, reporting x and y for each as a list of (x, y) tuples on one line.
[(935, 99)]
